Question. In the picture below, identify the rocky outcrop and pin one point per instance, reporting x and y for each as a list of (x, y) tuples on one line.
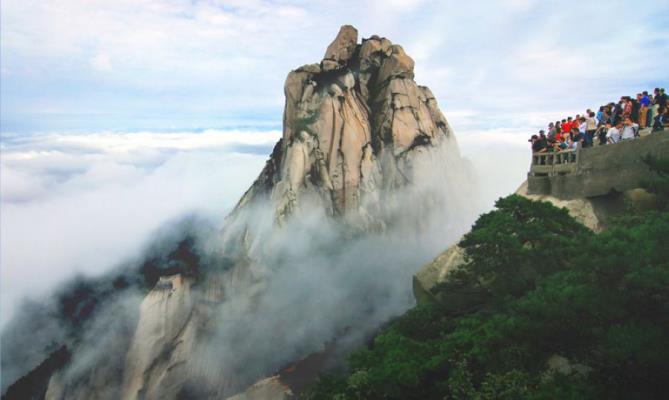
[(267, 389), (557, 364), (157, 353), (355, 126), (364, 147), (358, 131), (583, 209), (436, 272), (340, 51), (162, 342)]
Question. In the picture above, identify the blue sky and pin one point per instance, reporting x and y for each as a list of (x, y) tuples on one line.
[(173, 64)]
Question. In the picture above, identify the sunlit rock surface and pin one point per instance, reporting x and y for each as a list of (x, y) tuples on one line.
[(364, 147), (582, 209), (436, 272), (353, 134), (162, 342), (267, 389)]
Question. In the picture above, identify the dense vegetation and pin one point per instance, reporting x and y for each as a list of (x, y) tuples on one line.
[(543, 309)]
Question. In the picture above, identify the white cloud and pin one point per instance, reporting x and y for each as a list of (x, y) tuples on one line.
[(399, 5), (519, 5), (83, 203), (102, 63), (176, 60)]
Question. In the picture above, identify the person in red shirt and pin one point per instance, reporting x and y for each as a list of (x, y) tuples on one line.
[(566, 126)]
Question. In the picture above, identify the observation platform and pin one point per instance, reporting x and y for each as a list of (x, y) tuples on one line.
[(596, 171)]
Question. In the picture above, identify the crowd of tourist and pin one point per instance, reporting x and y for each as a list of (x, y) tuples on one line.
[(612, 123)]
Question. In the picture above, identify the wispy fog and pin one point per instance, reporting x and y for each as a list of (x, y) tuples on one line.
[(102, 204), (82, 203)]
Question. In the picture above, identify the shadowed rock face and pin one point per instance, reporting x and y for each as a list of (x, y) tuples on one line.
[(358, 133)]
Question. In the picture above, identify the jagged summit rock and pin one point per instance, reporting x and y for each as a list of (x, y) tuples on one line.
[(354, 128), (364, 147), (341, 49)]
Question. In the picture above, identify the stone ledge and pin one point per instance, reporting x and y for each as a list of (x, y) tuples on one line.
[(600, 170)]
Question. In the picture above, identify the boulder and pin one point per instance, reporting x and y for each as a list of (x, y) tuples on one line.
[(557, 364), (267, 389), (436, 272), (399, 64), (341, 49)]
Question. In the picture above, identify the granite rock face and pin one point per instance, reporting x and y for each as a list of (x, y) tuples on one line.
[(363, 146), (163, 333), (340, 51), (355, 127), (267, 389)]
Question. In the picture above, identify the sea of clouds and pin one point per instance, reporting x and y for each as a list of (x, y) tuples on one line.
[(86, 204), (81, 203)]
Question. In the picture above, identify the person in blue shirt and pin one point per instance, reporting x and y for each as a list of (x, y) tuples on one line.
[(600, 115), (644, 102)]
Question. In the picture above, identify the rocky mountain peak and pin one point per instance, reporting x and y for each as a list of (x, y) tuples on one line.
[(341, 49), (355, 126), (366, 157)]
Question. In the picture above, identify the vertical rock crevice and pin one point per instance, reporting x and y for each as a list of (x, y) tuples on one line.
[(358, 94)]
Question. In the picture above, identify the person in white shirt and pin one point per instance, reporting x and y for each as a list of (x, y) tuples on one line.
[(582, 130), (630, 129), (613, 134), (590, 127), (582, 127)]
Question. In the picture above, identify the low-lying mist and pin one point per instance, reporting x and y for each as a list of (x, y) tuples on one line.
[(81, 203), (313, 280)]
